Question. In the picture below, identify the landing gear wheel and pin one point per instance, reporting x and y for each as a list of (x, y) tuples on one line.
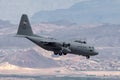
[(55, 53), (60, 54), (88, 57), (65, 53)]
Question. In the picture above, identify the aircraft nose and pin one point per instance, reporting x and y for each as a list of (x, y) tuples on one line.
[(95, 53)]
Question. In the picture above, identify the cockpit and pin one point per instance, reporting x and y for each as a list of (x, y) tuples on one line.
[(91, 48)]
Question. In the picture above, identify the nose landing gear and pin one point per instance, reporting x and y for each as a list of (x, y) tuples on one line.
[(88, 57)]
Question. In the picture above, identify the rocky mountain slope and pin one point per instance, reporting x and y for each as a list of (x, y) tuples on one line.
[(87, 12)]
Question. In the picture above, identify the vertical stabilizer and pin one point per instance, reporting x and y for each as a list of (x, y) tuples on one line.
[(24, 26)]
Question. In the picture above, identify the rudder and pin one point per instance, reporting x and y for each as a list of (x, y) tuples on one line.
[(24, 26)]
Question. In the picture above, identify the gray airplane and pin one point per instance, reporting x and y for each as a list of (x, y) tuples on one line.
[(77, 47)]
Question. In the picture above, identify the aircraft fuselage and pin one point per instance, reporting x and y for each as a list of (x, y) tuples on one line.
[(77, 47), (63, 47)]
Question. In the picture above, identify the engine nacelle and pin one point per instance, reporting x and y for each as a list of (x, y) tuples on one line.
[(66, 44), (80, 41)]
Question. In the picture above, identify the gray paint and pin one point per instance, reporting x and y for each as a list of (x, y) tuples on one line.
[(57, 46)]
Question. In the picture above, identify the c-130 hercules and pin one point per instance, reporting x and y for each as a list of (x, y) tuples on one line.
[(77, 47)]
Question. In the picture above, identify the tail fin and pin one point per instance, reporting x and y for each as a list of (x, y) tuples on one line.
[(25, 27)]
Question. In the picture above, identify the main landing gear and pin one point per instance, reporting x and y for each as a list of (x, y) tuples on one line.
[(60, 53)]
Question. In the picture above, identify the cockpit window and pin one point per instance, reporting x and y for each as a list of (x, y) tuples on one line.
[(91, 47)]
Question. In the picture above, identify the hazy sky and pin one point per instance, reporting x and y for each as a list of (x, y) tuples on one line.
[(12, 9)]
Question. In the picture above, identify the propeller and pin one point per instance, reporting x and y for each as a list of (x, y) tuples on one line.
[(66, 47)]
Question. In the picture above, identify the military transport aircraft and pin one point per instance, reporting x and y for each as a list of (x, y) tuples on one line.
[(77, 47)]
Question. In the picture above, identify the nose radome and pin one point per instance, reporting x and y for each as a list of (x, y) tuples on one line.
[(96, 53)]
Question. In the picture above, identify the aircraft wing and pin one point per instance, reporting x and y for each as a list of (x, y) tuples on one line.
[(45, 41)]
